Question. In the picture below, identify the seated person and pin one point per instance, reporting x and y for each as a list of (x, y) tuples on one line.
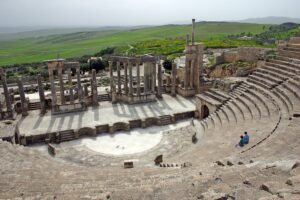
[(241, 143), (246, 138)]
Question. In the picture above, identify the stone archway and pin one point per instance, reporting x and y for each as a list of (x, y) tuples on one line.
[(204, 112)]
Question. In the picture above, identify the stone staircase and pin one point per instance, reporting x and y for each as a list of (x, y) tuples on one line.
[(163, 90), (66, 135), (165, 120), (34, 106), (217, 95), (103, 97)]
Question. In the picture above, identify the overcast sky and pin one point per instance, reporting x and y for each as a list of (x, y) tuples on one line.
[(137, 12)]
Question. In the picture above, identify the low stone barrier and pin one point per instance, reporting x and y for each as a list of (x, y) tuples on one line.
[(152, 121), (87, 131), (102, 129), (119, 126), (135, 124)]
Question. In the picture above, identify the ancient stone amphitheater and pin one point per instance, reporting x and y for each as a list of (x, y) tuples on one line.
[(267, 105)]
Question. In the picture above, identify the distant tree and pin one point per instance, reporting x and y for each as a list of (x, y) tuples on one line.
[(84, 59), (97, 64), (249, 34), (167, 64), (44, 74), (85, 67), (106, 51)]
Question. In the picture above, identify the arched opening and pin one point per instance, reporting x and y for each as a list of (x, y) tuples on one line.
[(204, 111)]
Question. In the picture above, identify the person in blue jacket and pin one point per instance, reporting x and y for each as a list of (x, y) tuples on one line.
[(246, 138)]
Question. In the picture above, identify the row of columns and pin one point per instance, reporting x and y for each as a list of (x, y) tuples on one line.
[(61, 86), (8, 99), (149, 78), (24, 101)]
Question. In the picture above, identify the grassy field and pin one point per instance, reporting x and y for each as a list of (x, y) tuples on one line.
[(168, 38)]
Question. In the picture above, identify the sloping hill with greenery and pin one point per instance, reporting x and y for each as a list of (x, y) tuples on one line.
[(169, 39)]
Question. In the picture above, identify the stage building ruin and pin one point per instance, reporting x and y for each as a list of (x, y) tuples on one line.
[(191, 84), (75, 100), (133, 86)]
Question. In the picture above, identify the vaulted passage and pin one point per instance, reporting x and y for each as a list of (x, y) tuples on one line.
[(204, 112)]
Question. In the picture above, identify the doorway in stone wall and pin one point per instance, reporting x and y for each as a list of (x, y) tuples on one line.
[(204, 112)]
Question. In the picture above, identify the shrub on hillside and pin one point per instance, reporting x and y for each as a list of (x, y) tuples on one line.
[(106, 51), (167, 64)]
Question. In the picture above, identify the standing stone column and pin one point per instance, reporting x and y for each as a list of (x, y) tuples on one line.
[(126, 78), (61, 86), (146, 77), (130, 80), (24, 103), (111, 75), (159, 81), (173, 90), (41, 94), (138, 79), (193, 32), (153, 77), (86, 90), (53, 90), (187, 73), (112, 83), (119, 78), (200, 69), (71, 86), (187, 40), (6, 93), (94, 88), (191, 73), (1, 109), (80, 94)]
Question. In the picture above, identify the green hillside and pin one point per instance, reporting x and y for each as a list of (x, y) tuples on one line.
[(87, 43)]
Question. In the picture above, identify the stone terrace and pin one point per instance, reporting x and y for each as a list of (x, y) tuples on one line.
[(106, 113)]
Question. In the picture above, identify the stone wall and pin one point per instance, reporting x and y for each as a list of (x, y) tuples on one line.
[(102, 129), (87, 131), (135, 124), (295, 40), (200, 102), (55, 137), (249, 54), (151, 121), (230, 56), (180, 73)]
